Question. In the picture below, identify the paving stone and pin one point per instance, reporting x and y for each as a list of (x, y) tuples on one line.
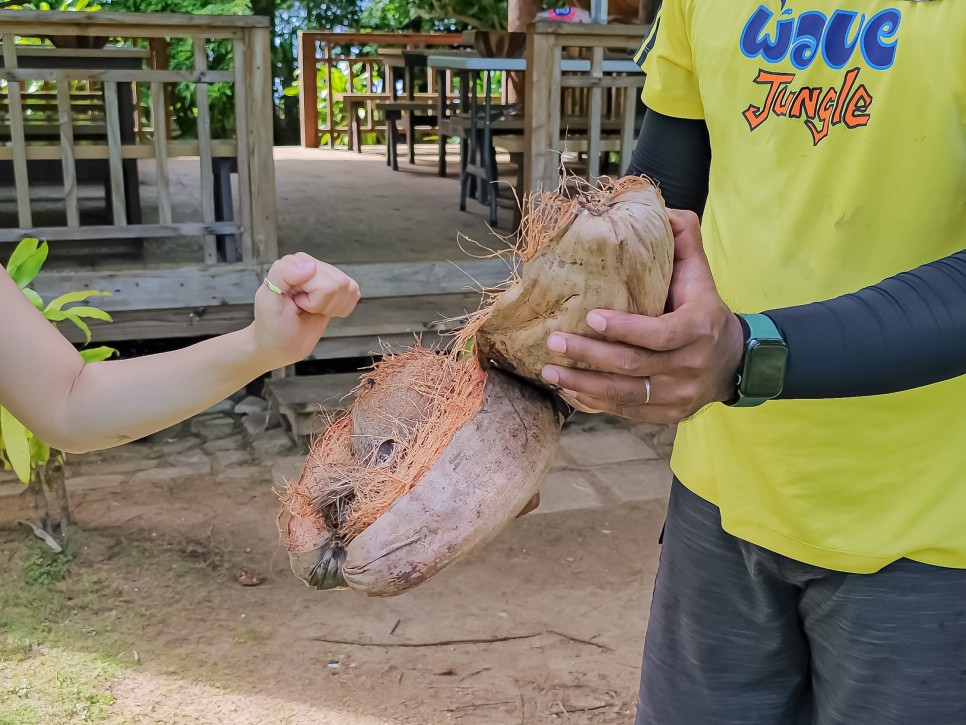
[(224, 459), (602, 448), (225, 407), (272, 443), (195, 460), (567, 491), (250, 405), (641, 481), (168, 434), (256, 423), (287, 469), (181, 445), (89, 483), (213, 427), (111, 468), (235, 442), (243, 473), (171, 474)]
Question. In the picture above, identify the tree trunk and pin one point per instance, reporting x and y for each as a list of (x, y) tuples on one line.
[(41, 510), (57, 483)]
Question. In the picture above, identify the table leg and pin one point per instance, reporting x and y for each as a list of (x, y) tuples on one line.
[(410, 120), (227, 244), (441, 113)]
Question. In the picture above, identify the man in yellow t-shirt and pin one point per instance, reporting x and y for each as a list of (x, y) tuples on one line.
[(814, 563)]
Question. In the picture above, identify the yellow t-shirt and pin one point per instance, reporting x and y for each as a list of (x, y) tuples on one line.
[(838, 137)]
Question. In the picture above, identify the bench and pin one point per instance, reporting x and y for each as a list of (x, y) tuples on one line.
[(422, 116)]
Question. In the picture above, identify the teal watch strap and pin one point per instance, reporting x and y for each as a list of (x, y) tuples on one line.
[(761, 332)]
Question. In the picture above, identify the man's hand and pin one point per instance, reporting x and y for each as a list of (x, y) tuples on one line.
[(288, 326), (690, 355)]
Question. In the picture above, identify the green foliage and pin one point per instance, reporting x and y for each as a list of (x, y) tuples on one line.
[(44, 568), (20, 450), (85, 6), (221, 96)]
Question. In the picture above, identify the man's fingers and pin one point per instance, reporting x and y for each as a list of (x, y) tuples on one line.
[(687, 233), (665, 333), (622, 390), (663, 414), (532, 504)]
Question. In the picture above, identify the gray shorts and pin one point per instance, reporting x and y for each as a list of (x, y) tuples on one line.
[(742, 636)]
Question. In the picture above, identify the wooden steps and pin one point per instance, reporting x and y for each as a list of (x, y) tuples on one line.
[(303, 403)]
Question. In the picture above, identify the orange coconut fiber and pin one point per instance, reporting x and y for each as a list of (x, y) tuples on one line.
[(406, 411)]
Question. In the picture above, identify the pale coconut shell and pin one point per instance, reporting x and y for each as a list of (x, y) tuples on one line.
[(616, 254)]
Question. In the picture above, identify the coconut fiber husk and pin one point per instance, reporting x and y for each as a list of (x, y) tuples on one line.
[(441, 450)]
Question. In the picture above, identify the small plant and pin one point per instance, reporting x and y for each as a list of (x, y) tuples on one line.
[(35, 463)]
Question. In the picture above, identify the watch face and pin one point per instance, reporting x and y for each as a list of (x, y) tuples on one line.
[(764, 370)]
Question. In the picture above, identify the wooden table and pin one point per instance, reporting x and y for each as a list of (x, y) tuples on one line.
[(108, 58), (478, 162)]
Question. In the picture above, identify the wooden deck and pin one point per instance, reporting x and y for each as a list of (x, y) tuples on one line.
[(397, 233)]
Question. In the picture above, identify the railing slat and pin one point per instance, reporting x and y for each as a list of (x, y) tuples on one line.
[(21, 180), (241, 60), (112, 112), (66, 118), (158, 116), (204, 141)]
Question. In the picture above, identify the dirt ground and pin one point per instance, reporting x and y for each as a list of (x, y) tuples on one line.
[(150, 625)]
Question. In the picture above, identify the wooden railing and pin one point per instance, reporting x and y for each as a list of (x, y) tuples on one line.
[(120, 141), (603, 94), (323, 56)]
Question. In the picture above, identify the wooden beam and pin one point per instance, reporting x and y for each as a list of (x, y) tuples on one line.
[(116, 76), (181, 149), (260, 134), (132, 231), (177, 287), (308, 90), (240, 56), (31, 23)]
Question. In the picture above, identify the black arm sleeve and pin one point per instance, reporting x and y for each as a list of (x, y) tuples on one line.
[(676, 153), (905, 332)]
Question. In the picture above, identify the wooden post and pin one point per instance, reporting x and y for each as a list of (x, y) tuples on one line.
[(520, 14), (542, 105), (20, 179), (262, 164), (308, 91)]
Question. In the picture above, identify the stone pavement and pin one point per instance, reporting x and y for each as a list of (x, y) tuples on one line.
[(602, 461)]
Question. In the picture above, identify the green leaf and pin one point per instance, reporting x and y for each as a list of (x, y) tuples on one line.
[(72, 297), (25, 272), (291, 91), (26, 248), (83, 328), (93, 313), (34, 298), (16, 441), (97, 354), (39, 452)]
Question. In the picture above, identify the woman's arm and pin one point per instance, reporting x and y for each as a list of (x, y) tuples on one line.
[(79, 407), (905, 332)]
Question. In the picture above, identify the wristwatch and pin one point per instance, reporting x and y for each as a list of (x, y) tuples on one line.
[(761, 374)]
